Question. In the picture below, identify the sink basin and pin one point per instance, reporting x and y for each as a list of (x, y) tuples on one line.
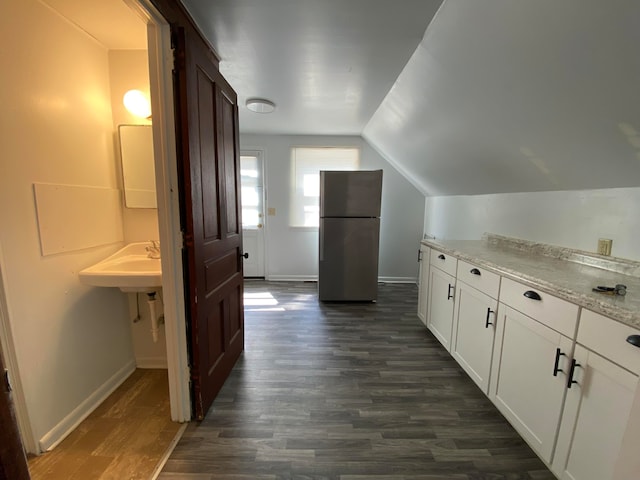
[(129, 269)]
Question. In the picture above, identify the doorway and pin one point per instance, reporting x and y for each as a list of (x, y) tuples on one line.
[(253, 218)]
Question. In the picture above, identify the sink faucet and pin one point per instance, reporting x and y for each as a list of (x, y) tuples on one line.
[(153, 251)]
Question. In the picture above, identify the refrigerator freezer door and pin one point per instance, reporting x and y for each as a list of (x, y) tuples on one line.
[(348, 268), (350, 194)]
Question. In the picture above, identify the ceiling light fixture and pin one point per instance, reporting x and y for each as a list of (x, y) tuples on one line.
[(260, 105), (137, 103)]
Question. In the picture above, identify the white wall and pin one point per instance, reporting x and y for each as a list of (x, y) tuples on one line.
[(57, 128), (292, 253), (574, 219), (129, 69)]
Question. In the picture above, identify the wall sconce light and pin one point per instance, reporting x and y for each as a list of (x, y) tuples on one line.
[(260, 105), (137, 103)]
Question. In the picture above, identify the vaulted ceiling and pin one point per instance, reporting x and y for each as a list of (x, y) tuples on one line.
[(461, 96), (487, 96)]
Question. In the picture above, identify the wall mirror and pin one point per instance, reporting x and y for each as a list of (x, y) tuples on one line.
[(138, 172)]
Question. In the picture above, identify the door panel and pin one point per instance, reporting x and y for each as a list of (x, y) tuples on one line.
[(209, 165)]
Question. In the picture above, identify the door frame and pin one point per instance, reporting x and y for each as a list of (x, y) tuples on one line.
[(161, 64), (261, 154), (8, 352)]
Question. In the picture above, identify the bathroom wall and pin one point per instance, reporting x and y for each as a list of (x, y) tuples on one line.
[(129, 69), (72, 342), (574, 219), (292, 253)]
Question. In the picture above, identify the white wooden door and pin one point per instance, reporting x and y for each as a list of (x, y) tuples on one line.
[(595, 418), (251, 170), (524, 387), (473, 333), (440, 305), (423, 283)]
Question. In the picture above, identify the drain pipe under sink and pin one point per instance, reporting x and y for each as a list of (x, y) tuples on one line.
[(151, 300)]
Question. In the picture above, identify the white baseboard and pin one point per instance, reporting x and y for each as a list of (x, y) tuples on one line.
[(397, 279), (292, 278), (314, 278), (151, 362), (58, 433)]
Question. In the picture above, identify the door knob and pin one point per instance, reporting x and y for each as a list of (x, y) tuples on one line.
[(245, 255)]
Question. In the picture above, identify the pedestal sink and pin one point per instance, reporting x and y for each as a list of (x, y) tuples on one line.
[(130, 269)]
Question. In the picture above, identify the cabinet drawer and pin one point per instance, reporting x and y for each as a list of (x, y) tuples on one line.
[(552, 311), (479, 278), (445, 262), (608, 338)]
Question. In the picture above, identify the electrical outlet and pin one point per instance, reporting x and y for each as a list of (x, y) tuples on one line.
[(604, 246)]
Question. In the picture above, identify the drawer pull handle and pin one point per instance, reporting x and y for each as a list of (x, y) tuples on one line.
[(555, 366), (449, 294), (571, 381), (532, 295), (441, 257), (634, 340), (475, 271), (489, 312)]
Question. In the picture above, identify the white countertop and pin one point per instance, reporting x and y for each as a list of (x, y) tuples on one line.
[(567, 274)]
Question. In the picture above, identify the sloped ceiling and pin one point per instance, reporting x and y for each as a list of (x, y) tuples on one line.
[(505, 96), (327, 64), (499, 96)]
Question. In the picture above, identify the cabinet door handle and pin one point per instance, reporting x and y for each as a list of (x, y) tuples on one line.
[(489, 312), (556, 369), (449, 294), (532, 295), (441, 257), (634, 340), (475, 271), (571, 381)]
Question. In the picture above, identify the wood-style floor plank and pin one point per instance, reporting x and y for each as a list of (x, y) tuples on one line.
[(347, 392), (124, 438)]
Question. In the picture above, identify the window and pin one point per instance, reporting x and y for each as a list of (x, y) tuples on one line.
[(251, 193), (306, 163)]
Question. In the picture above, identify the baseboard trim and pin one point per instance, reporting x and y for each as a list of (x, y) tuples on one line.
[(58, 433), (397, 279), (292, 278), (314, 278), (151, 362)]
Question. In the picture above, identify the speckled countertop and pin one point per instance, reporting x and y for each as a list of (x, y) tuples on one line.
[(565, 273)]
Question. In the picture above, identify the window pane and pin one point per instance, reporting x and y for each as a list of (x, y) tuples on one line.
[(306, 164)]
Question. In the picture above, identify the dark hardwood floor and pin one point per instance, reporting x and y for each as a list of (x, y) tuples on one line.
[(348, 392)]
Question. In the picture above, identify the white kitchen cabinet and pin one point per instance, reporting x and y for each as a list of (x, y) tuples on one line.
[(529, 375), (473, 333), (440, 305), (423, 282), (598, 404)]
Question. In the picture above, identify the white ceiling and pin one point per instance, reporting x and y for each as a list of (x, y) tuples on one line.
[(497, 96), (110, 22), (327, 64)]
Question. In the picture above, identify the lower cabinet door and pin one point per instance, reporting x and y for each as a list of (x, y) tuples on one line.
[(440, 305), (524, 387), (595, 417), (473, 333), (423, 283)]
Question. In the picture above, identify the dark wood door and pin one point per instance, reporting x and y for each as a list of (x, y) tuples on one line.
[(13, 464), (207, 115)]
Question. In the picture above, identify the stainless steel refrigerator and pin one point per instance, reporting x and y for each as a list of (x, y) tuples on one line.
[(349, 235)]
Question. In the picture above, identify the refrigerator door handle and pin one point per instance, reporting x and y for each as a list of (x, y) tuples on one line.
[(321, 245)]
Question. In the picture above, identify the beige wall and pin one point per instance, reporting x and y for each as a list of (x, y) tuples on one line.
[(57, 127), (129, 69)]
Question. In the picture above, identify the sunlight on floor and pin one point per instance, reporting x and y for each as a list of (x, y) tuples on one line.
[(253, 301)]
